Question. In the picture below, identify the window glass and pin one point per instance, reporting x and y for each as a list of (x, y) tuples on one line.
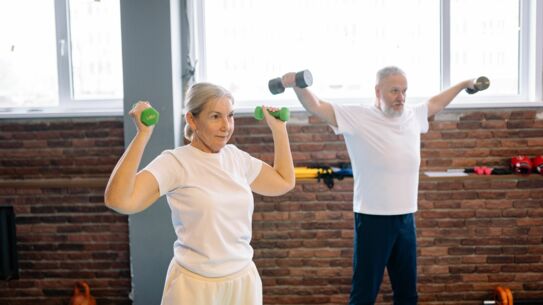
[(485, 40), (342, 42), (28, 58), (96, 49)]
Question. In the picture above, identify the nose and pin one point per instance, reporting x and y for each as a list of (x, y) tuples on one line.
[(401, 97), (226, 124)]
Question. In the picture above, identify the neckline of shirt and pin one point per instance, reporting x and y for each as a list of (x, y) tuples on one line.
[(205, 154)]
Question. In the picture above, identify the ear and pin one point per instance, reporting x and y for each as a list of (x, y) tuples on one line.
[(191, 120), (377, 95)]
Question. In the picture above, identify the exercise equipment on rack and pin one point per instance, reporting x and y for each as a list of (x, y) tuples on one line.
[(325, 173)]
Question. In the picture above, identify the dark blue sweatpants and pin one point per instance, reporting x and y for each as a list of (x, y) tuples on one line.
[(379, 242)]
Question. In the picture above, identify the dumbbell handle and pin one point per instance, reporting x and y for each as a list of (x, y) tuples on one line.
[(302, 79), (283, 114)]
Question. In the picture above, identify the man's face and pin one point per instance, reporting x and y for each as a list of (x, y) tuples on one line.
[(390, 93)]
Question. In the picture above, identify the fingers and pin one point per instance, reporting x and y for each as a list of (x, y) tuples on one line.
[(136, 111), (269, 108), (471, 83), (289, 80)]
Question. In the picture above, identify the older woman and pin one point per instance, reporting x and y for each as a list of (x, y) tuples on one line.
[(209, 186)]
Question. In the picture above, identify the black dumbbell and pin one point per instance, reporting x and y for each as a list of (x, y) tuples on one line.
[(482, 83), (303, 79)]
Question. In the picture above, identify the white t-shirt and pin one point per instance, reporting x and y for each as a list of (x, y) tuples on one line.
[(385, 156), (212, 205)]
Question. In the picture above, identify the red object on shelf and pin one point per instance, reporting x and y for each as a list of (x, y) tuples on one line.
[(537, 164), (521, 165)]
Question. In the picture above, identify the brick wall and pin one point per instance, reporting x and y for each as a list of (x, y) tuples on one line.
[(473, 233), (64, 231)]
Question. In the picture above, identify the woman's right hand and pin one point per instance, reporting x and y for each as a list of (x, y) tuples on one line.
[(135, 113)]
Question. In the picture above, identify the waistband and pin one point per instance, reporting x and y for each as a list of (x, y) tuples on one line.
[(246, 270)]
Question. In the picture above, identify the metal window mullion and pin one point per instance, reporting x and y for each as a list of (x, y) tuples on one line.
[(524, 49), (538, 56), (199, 36), (535, 72), (63, 52), (445, 39)]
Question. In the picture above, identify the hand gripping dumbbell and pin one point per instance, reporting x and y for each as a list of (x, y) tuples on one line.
[(303, 79), (283, 114), (482, 83), (149, 116)]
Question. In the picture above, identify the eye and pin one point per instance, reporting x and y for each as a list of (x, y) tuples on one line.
[(231, 115), (215, 116)]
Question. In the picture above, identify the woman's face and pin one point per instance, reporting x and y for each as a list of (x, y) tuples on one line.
[(214, 126)]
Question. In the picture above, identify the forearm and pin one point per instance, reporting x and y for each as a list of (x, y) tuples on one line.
[(309, 101), (122, 181), (283, 163)]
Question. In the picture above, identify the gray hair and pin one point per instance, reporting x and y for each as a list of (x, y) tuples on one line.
[(388, 71), (197, 97)]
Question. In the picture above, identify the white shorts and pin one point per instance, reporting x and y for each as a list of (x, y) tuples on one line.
[(184, 287)]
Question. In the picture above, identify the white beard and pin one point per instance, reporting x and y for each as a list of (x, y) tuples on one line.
[(390, 112)]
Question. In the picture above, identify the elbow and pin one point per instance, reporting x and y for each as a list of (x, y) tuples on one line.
[(287, 187), (115, 205), (291, 185)]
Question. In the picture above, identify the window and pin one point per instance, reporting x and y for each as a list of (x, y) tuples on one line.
[(241, 44), (60, 56)]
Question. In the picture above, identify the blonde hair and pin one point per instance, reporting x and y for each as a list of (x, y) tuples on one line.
[(197, 97)]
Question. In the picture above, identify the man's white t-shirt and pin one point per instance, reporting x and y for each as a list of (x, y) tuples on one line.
[(385, 156), (212, 205)]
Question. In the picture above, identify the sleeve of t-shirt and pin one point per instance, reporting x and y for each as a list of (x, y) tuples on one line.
[(250, 165), (345, 118), (421, 113), (167, 170)]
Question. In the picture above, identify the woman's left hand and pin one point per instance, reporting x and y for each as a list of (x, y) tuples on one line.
[(273, 123)]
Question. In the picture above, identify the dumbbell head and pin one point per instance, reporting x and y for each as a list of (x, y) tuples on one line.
[(304, 79), (276, 86), (149, 116), (283, 114), (482, 83)]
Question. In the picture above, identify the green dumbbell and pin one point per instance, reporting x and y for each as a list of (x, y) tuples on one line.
[(283, 114), (149, 116)]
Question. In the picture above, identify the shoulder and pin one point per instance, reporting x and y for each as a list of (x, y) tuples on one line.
[(419, 109), (176, 154), (232, 149), (353, 111)]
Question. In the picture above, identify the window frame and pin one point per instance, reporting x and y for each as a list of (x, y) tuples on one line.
[(530, 65), (67, 105)]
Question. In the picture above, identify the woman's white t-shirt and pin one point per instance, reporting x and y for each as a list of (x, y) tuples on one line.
[(212, 204)]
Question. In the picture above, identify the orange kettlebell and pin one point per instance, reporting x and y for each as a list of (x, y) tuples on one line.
[(81, 295)]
